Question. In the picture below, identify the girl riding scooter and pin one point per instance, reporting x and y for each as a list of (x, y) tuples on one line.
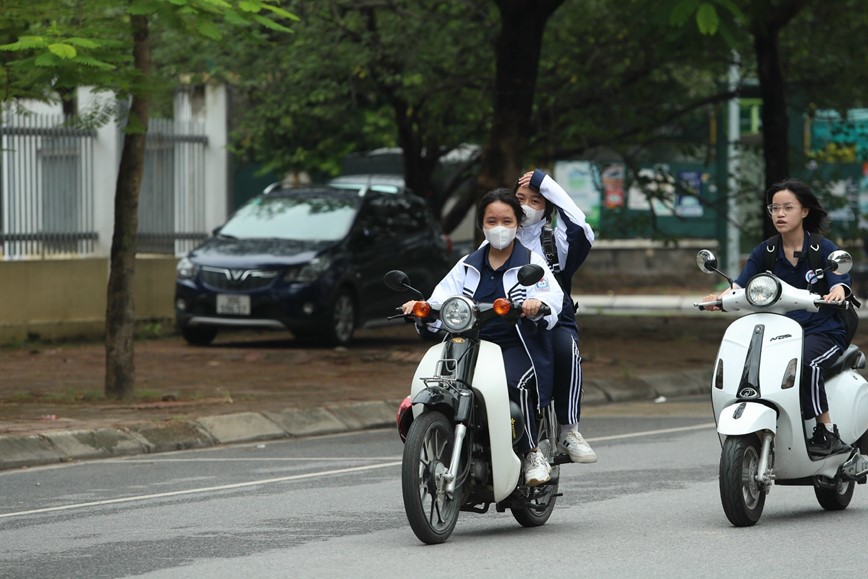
[(799, 218)]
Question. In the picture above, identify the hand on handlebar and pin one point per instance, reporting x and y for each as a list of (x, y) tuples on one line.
[(533, 307), (836, 295), (710, 307)]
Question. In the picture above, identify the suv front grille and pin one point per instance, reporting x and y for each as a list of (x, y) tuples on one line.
[(237, 279)]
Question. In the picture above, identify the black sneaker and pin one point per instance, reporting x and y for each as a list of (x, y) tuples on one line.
[(826, 442)]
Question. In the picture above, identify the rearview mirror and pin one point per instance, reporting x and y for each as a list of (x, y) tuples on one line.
[(530, 274), (840, 262), (396, 280), (706, 261)]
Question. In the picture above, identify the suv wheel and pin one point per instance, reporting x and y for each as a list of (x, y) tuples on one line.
[(342, 319), (199, 335)]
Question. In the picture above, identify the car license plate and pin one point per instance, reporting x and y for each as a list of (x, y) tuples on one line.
[(233, 305)]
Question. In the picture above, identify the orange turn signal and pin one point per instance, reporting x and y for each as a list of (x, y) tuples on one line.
[(502, 306), (421, 309)]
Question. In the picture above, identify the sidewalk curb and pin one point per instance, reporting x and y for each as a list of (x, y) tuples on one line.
[(209, 431)]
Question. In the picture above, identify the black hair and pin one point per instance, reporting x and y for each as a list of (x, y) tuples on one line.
[(547, 210), (817, 218), (503, 195)]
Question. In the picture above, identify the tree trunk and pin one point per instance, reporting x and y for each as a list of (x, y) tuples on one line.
[(517, 51), (120, 303), (773, 91)]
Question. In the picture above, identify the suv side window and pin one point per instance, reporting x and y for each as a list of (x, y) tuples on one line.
[(377, 218)]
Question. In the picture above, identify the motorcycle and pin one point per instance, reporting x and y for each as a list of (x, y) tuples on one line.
[(459, 426), (756, 402)]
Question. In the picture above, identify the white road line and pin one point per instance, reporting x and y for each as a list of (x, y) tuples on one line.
[(249, 459), (201, 490), (651, 432)]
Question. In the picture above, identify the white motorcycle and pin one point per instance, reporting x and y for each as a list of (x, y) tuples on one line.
[(756, 403), (459, 426)]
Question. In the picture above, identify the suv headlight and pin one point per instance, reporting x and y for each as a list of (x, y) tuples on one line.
[(763, 290), (186, 269), (457, 314), (309, 271)]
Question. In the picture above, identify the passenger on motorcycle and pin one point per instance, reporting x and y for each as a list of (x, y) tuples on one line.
[(797, 213), (489, 273), (565, 247)]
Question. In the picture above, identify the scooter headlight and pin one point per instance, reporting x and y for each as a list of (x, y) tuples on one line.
[(763, 290), (458, 314)]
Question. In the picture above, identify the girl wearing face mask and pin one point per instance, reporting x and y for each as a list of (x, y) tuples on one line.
[(565, 245), (491, 272)]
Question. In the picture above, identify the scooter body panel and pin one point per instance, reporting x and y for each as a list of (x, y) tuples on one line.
[(847, 393), (489, 385), (761, 361)]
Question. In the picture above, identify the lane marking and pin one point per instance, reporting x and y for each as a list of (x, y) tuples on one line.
[(651, 432), (201, 490), (296, 477), (250, 459)]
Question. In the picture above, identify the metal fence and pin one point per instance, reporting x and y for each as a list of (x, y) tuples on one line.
[(172, 197), (47, 188)]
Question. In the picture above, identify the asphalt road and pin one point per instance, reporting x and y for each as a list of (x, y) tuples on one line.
[(331, 507)]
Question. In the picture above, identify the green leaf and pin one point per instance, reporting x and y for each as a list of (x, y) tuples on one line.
[(270, 24), (706, 19), (46, 59), (254, 7), (84, 43), (681, 12), (26, 43), (733, 9), (63, 50)]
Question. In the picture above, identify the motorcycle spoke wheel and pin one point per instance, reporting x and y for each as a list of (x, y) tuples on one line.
[(539, 502), (741, 495), (431, 511)]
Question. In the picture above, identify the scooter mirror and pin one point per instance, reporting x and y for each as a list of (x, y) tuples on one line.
[(396, 280), (706, 261), (840, 262), (530, 274)]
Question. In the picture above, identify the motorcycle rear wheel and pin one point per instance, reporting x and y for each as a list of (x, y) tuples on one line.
[(836, 499), (432, 513), (741, 495), (540, 501)]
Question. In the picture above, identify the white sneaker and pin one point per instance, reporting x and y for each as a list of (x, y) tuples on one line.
[(574, 445), (537, 469)]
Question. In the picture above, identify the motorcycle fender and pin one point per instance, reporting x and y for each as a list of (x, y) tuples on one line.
[(489, 383), (746, 418), (426, 369)]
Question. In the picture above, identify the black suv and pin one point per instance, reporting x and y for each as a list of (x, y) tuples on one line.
[(310, 260)]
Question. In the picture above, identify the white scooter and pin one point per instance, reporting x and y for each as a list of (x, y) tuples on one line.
[(755, 397), (459, 426)]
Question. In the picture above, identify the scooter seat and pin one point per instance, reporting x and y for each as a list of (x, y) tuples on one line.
[(851, 358)]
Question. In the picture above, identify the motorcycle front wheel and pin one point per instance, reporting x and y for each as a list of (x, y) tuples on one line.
[(741, 495), (431, 512)]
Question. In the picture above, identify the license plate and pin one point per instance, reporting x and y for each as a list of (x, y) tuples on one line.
[(233, 305)]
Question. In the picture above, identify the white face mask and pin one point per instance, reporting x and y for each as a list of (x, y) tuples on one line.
[(532, 216), (499, 237)]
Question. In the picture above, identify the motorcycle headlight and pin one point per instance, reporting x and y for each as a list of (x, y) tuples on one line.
[(763, 290), (186, 269), (457, 314)]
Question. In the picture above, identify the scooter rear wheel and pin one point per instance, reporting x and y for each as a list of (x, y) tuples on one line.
[(741, 495), (836, 499), (431, 512)]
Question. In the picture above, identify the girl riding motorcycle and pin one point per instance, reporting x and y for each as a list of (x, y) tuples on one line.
[(489, 273)]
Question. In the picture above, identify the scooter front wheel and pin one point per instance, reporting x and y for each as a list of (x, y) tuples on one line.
[(431, 511), (741, 495)]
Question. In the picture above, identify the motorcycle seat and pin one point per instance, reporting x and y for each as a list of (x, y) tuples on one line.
[(851, 358)]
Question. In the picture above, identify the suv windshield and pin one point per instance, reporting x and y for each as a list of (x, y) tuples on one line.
[(302, 217)]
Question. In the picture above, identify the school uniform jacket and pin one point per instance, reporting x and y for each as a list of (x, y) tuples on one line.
[(464, 278)]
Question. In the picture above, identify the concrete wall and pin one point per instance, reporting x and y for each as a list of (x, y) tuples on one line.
[(57, 299)]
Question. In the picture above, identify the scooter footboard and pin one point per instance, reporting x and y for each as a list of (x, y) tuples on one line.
[(745, 418)]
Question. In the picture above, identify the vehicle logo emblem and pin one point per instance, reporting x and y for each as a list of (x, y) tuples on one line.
[(781, 337), (748, 393)]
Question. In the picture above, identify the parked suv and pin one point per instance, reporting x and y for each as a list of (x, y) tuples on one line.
[(309, 260)]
